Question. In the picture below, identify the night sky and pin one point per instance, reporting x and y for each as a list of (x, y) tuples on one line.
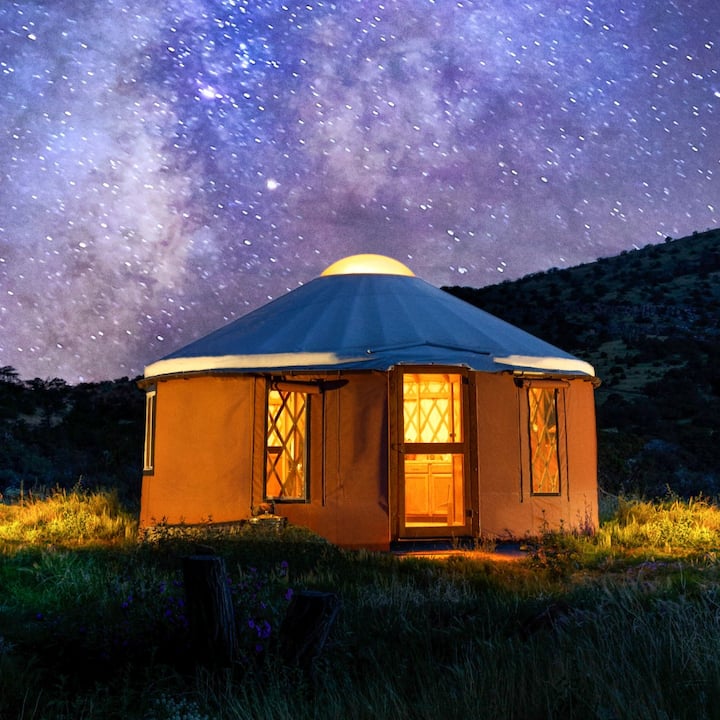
[(168, 166)]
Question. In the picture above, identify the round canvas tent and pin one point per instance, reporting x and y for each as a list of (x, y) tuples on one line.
[(372, 407)]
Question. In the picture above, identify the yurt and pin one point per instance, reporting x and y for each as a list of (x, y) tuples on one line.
[(374, 409)]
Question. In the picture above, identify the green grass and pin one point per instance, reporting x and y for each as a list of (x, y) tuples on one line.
[(674, 526), (620, 625)]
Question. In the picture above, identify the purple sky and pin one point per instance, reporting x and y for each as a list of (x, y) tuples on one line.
[(168, 166)]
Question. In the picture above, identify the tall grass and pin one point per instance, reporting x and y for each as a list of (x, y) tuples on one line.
[(670, 524), (75, 517), (622, 625)]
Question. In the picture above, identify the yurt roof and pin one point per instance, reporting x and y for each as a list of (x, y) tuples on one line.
[(368, 312)]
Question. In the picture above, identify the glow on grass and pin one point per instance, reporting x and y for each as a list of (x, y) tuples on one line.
[(76, 517)]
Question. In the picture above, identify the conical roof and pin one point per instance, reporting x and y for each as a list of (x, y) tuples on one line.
[(367, 312)]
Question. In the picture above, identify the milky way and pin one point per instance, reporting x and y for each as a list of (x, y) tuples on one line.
[(168, 166)]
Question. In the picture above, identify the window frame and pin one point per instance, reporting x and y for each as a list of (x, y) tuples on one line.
[(284, 388), (555, 391), (150, 428)]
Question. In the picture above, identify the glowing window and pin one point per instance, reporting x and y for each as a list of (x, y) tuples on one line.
[(432, 408), (543, 427), (434, 453), (286, 446), (149, 452)]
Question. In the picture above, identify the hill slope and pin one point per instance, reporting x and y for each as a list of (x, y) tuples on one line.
[(649, 321)]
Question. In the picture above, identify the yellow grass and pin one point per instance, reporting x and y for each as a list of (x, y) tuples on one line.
[(692, 524), (62, 518)]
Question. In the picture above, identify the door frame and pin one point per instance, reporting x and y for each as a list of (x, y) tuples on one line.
[(396, 450)]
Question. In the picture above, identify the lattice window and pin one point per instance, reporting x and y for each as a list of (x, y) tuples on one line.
[(543, 426), (432, 408), (286, 446)]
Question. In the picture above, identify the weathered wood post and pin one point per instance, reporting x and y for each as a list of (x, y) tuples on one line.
[(210, 610), (306, 626)]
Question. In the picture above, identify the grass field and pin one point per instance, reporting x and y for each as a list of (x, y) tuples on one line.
[(626, 624)]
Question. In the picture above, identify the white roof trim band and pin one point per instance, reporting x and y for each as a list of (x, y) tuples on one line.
[(547, 363), (171, 366)]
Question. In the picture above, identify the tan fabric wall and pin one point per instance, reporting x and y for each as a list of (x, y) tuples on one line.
[(207, 428), (582, 452), (209, 457), (349, 495), (203, 450), (507, 507)]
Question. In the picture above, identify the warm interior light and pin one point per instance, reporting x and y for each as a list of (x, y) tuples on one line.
[(286, 445), (368, 263), (545, 462), (434, 450)]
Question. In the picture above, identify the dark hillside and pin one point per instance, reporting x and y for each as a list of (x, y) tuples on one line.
[(649, 321)]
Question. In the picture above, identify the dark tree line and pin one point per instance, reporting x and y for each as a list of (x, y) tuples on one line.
[(55, 435)]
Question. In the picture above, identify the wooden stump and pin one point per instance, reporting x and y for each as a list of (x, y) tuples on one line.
[(306, 626), (210, 610)]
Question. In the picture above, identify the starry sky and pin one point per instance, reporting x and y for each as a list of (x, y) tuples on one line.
[(168, 166)]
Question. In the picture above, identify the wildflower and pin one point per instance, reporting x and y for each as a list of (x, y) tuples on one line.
[(127, 602), (265, 630)]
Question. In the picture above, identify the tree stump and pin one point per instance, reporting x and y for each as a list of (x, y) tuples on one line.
[(210, 610), (306, 626)]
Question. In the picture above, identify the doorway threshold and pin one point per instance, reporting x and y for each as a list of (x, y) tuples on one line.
[(465, 547)]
